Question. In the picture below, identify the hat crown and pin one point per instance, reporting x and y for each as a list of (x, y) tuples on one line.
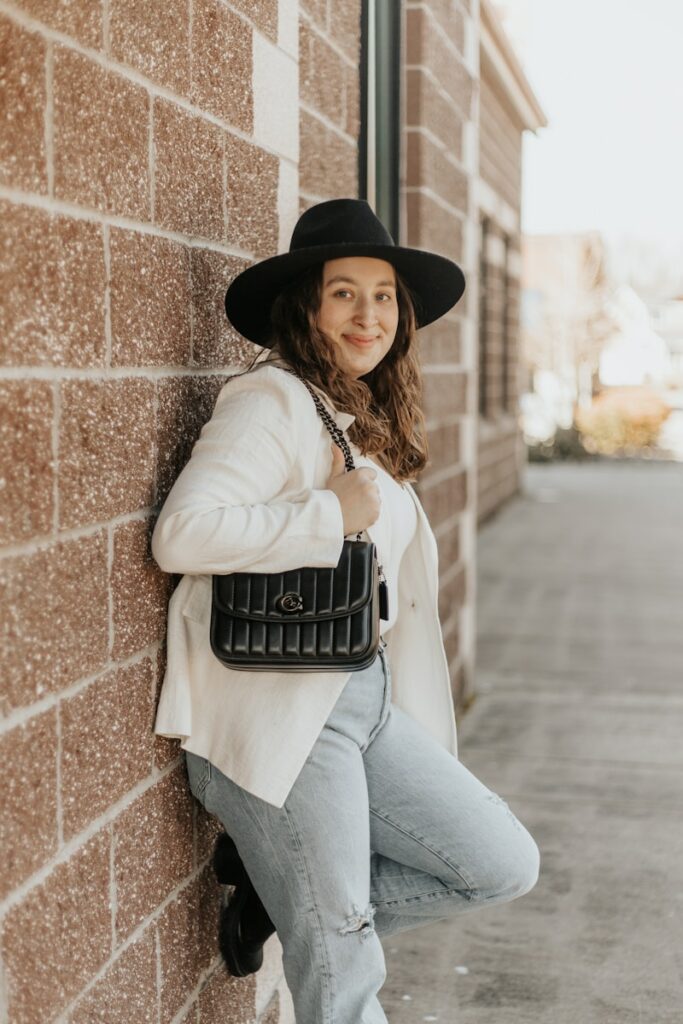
[(339, 222)]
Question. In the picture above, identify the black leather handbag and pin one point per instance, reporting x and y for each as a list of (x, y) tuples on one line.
[(312, 619)]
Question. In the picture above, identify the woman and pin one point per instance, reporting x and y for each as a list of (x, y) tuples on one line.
[(348, 813)]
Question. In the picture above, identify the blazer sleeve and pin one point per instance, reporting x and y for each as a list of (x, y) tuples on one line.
[(223, 515)]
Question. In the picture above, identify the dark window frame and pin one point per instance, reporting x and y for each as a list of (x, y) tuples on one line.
[(379, 144)]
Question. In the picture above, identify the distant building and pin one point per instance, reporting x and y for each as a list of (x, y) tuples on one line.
[(565, 322), (667, 321), (635, 353)]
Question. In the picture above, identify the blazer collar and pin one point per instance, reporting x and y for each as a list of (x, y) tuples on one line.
[(342, 419)]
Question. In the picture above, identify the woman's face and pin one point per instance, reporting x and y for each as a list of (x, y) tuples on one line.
[(359, 311)]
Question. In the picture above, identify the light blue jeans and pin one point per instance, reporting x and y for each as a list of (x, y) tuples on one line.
[(382, 831)]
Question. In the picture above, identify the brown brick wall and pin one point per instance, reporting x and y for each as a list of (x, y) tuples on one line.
[(129, 177), (329, 92), (438, 91), (500, 165)]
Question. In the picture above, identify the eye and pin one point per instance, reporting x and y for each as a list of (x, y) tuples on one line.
[(341, 291), (387, 295)]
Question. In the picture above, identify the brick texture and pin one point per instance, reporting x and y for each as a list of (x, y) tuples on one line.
[(106, 744), (222, 64), (22, 109), (155, 831), (83, 22), (106, 449), (52, 276), (187, 943), (26, 464), (139, 590), (111, 173), (55, 622), (135, 190), (252, 197), (151, 323), (326, 157), (133, 975), (500, 163), (59, 935), (153, 38), (263, 15), (188, 172), (28, 804)]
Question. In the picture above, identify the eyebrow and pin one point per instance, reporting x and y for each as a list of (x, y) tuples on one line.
[(351, 280)]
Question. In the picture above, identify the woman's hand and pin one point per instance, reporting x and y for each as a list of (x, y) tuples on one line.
[(358, 494)]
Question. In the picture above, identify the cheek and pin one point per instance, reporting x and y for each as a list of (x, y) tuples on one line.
[(326, 316), (391, 324)]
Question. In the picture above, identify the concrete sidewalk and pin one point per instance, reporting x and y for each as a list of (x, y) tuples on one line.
[(578, 724)]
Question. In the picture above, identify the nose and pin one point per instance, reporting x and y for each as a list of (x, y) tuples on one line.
[(365, 312)]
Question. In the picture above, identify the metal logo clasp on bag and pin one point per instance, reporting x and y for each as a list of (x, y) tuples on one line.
[(290, 602)]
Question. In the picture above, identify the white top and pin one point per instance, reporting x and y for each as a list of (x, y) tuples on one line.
[(220, 516), (393, 530)]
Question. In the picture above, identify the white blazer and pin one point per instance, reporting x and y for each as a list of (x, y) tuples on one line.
[(253, 496)]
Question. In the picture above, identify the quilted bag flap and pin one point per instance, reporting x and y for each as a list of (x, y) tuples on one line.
[(304, 594)]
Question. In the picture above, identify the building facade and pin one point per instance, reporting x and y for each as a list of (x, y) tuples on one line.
[(147, 154)]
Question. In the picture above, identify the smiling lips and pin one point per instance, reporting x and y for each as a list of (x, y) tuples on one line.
[(358, 339)]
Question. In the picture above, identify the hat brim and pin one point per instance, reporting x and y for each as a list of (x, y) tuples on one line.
[(436, 282)]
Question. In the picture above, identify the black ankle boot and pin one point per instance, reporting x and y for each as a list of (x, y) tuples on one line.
[(227, 863), (244, 924)]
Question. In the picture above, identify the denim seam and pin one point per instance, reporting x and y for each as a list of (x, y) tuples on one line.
[(435, 853), (326, 974), (424, 896), (378, 726)]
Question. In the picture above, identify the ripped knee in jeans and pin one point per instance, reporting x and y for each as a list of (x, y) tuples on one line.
[(360, 921), (496, 799)]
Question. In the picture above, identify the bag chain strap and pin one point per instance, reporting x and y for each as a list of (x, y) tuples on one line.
[(338, 436)]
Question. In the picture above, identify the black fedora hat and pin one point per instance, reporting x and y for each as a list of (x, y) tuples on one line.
[(327, 231)]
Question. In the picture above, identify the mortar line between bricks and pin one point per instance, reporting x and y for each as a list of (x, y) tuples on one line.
[(427, 133), (43, 542), (429, 74), (131, 940), (205, 976), (425, 190), (105, 373), (437, 29), (62, 207), (305, 17), (124, 71), (77, 841), (324, 120), (27, 712)]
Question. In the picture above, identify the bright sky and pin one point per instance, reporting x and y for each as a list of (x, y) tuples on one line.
[(609, 77)]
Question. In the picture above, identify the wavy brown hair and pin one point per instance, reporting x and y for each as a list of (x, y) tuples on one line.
[(386, 402)]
